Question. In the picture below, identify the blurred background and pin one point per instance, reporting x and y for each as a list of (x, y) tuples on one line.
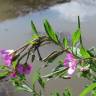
[(15, 30)]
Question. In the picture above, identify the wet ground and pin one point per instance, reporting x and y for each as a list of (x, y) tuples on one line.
[(14, 8)]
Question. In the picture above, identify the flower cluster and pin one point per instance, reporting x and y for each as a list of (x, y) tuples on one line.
[(71, 63), (20, 68)]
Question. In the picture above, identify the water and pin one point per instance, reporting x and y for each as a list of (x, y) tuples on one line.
[(63, 17), (88, 2)]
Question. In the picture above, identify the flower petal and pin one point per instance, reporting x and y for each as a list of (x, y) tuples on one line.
[(6, 55), (20, 69), (71, 71), (13, 75), (28, 69)]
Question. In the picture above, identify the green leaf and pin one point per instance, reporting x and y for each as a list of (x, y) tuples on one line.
[(88, 89), (79, 27), (20, 84), (24, 87), (84, 53), (50, 58), (93, 65), (34, 28), (94, 92), (34, 37), (14, 64), (76, 51), (67, 92), (76, 37), (42, 82), (35, 77), (2, 67), (27, 88), (50, 32), (32, 42), (58, 67), (3, 75), (65, 42), (55, 73)]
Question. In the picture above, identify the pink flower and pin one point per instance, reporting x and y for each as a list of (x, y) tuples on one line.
[(13, 75), (24, 69), (71, 63), (7, 56)]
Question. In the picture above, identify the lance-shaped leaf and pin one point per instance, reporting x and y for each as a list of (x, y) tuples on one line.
[(84, 53), (3, 75), (22, 87), (76, 37), (88, 89), (42, 82), (65, 42), (50, 32), (58, 67), (34, 28), (50, 58), (2, 67), (79, 27), (27, 88), (55, 73), (35, 76), (14, 64)]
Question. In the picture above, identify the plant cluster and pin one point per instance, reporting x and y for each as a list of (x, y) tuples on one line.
[(19, 63)]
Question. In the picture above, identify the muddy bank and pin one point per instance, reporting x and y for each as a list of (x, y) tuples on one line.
[(14, 8)]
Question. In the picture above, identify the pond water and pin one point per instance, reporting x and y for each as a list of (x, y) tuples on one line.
[(15, 29)]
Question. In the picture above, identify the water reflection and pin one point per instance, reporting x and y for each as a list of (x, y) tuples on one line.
[(63, 18)]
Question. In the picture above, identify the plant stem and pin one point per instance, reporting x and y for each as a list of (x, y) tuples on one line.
[(53, 73), (24, 46)]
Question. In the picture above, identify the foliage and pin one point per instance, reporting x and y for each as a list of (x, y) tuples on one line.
[(19, 63)]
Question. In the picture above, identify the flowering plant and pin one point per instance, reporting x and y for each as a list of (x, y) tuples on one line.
[(77, 59)]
